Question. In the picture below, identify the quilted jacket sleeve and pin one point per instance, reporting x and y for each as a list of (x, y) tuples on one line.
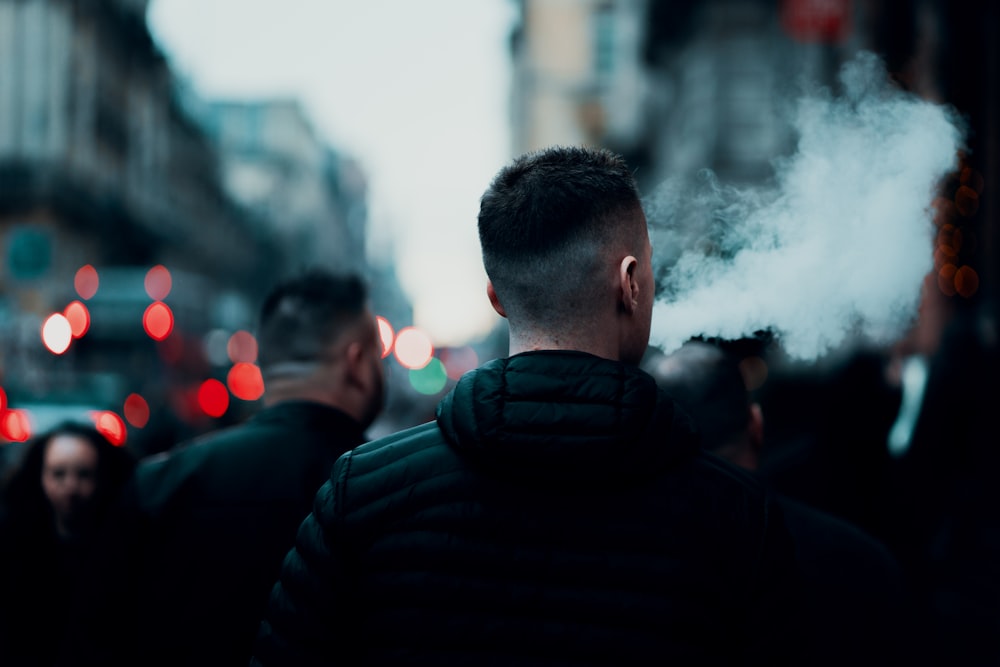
[(309, 610)]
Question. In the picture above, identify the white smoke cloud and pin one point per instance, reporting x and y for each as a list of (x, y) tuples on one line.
[(835, 247)]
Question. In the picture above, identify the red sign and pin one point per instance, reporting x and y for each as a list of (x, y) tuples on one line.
[(817, 20)]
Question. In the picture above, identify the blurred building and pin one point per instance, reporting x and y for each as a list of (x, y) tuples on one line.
[(101, 165), (276, 166), (673, 86)]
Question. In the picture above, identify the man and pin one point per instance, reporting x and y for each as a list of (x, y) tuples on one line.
[(206, 525), (559, 510), (849, 609)]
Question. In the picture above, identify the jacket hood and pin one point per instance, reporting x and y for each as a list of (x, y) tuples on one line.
[(564, 417)]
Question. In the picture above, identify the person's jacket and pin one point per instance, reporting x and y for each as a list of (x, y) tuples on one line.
[(200, 538), (558, 512)]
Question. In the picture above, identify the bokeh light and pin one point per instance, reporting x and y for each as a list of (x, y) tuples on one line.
[(57, 333), (15, 425), (459, 360), (967, 201), (158, 282), (171, 349), (245, 381), (966, 281), (430, 379), (3, 400), (86, 281), (946, 279), (110, 425), (79, 318), (386, 333), (136, 410), (213, 398), (242, 347), (158, 320), (413, 348), (214, 344)]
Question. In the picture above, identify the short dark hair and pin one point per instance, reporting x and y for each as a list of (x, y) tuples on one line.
[(545, 219), (707, 382), (302, 315)]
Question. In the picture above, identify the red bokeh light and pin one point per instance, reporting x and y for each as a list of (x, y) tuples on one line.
[(386, 334), (15, 425), (213, 398), (111, 426), (158, 282), (86, 281), (242, 347), (3, 400), (136, 410), (158, 320), (79, 318), (245, 381)]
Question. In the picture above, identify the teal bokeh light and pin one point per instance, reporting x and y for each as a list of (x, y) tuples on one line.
[(430, 379)]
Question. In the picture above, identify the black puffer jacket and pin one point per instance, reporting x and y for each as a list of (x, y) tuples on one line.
[(558, 512)]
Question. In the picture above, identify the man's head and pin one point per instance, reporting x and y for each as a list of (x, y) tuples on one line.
[(566, 249), (708, 384), (319, 341)]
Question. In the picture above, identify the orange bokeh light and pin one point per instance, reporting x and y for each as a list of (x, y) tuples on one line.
[(213, 398), (967, 201), (386, 334), (946, 279), (158, 320), (158, 282), (111, 426), (15, 425), (966, 281), (86, 281), (79, 318), (57, 333), (242, 347), (413, 348), (136, 410)]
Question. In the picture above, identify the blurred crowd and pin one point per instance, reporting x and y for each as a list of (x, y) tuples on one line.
[(876, 464)]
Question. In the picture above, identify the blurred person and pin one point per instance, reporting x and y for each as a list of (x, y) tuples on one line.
[(208, 523), (52, 504), (850, 602), (943, 493), (559, 510)]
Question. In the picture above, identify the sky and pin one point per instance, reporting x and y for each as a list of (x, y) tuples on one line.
[(416, 91)]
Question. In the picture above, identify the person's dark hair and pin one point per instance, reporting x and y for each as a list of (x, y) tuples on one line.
[(545, 220), (706, 381), (302, 315), (23, 499)]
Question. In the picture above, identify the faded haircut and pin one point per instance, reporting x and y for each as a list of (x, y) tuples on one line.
[(545, 223), (302, 315)]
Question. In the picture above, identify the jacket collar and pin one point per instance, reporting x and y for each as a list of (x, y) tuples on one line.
[(311, 416), (563, 417)]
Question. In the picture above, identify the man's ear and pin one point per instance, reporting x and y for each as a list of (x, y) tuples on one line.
[(629, 286), (355, 363), (494, 301)]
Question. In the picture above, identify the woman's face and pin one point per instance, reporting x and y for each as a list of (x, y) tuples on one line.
[(69, 478)]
